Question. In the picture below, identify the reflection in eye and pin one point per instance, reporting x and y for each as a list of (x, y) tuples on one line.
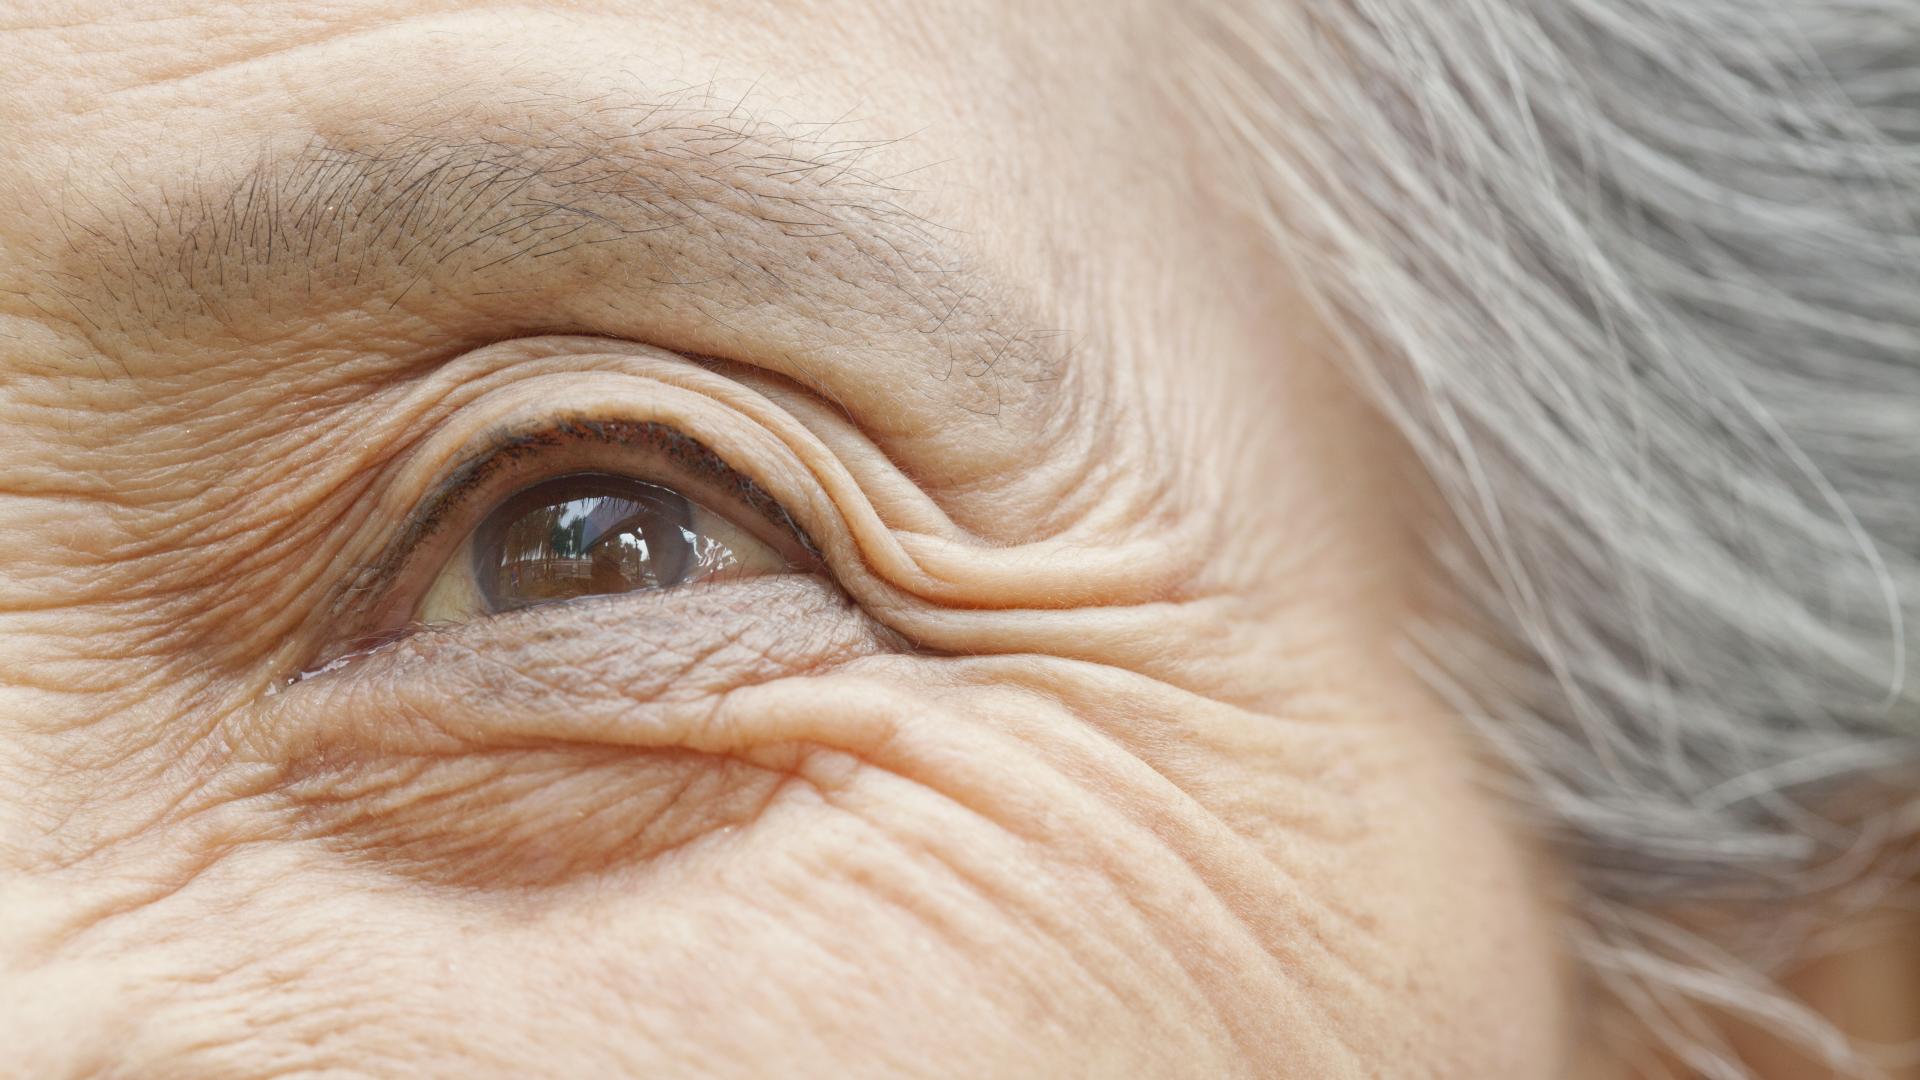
[(590, 534)]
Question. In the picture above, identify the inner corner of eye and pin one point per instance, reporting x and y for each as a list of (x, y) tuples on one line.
[(590, 534)]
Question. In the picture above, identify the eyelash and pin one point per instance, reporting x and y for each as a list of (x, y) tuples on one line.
[(454, 500)]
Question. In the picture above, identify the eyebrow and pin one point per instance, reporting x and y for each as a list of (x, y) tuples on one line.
[(678, 201)]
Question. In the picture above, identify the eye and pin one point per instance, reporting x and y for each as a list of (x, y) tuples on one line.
[(590, 534)]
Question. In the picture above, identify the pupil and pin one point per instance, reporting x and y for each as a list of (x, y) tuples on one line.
[(583, 535)]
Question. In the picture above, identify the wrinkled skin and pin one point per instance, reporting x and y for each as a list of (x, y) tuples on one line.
[(1083, 751)]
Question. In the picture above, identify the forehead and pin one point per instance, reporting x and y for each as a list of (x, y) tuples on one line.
[(976, 233), (974, 114), (935, 180)]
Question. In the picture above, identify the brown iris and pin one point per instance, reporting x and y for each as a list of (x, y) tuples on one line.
[(584, 535)]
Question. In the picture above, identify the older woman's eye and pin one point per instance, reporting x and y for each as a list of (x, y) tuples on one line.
[(590, 534)]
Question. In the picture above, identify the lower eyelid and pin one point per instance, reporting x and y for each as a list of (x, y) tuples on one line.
[(613, 670)]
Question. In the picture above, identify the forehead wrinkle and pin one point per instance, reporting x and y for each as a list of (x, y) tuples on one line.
[(676, 195)]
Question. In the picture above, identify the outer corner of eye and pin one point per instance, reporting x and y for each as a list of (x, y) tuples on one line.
[(591, 534)]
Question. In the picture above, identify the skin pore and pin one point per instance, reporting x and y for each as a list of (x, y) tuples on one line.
[(1082, 751)]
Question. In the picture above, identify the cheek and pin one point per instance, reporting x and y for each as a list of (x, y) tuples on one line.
[(1026, 866), (1339, 889)]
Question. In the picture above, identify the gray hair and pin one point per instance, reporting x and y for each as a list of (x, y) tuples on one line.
[(1639, 280)]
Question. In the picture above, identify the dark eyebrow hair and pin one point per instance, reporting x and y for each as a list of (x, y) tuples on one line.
[(679, 198)]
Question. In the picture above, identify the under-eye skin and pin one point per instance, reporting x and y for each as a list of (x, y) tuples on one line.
[(590, 534)]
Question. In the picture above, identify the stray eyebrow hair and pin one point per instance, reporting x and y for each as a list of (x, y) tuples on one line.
[(553, 195)]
